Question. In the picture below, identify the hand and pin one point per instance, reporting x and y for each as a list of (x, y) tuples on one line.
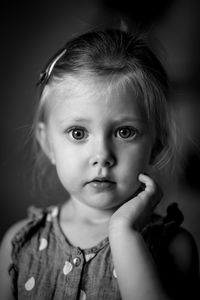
[(136, 213)]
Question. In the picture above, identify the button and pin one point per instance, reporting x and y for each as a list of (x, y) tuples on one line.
[(77, 261)]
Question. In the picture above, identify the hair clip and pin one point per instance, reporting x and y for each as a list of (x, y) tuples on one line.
[(45, 75)]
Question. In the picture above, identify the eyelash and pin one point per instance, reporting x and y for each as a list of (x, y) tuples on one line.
[(132, 133), (72, 130)]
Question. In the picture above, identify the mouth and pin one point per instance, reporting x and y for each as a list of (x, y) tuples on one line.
[(101, 183)]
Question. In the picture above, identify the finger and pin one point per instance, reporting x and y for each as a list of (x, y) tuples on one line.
[(152, 191), (150, 185)]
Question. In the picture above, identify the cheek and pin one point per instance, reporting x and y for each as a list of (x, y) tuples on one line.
[(136, 161), (67, 175), (68, 164)]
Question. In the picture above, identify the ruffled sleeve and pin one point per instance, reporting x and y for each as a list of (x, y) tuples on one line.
[(36, 217), (160, 230)]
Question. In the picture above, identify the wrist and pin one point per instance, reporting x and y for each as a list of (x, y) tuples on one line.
[(122, 227)]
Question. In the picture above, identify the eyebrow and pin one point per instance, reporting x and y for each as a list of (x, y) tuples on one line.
[(130, 119), (76, 120), (115, 122)]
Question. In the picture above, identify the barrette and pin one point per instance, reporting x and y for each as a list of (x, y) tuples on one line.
[(45, 75)]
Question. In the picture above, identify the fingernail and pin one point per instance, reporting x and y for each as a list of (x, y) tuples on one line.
[(141, 174)]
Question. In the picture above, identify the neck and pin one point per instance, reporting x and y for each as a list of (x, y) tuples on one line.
[(84, 213)]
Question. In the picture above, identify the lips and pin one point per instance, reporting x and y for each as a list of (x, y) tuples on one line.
[(101, 183), (102, 179)]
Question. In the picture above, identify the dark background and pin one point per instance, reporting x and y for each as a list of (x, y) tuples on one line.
[(33, 31)]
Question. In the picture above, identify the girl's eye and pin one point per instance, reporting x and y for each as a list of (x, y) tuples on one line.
[(126, 132), (78, 133)]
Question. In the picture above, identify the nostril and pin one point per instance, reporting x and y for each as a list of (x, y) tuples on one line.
[(109, 163), (102, 161)]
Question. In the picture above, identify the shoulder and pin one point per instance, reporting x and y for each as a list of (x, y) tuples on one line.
[(23, 230), (5, 258), (10, 233), (6, 242), (178, 243), (182, 249), (181, 264)]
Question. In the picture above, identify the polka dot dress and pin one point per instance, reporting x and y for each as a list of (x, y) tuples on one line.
[(67, 268), (50, 268), (30, 284), (43, 244)]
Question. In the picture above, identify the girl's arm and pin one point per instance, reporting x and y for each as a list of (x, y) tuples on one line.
[(5, 261), (136, 272)]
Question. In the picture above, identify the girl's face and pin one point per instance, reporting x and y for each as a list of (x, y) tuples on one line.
[(99, 141)]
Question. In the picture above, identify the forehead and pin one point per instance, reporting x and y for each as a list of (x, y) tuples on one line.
[(83, 95)]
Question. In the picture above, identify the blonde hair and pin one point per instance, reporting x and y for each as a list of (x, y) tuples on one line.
[(123, 56)]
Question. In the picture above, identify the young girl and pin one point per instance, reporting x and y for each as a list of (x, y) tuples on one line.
[(102, 123)]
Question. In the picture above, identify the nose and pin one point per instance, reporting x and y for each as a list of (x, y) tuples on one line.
[(103, 155)]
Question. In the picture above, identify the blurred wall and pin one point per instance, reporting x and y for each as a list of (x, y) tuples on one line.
[(173, 28), (32, 32)]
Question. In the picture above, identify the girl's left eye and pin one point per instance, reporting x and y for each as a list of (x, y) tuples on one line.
[(126, 132), (77, 133)]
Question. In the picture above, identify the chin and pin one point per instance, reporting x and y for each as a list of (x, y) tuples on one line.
[(104, 201)]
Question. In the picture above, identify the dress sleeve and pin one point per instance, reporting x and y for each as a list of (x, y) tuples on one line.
[(160, 229), (36, 217)]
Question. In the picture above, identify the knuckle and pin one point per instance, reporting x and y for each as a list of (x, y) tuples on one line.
[(142, 196)]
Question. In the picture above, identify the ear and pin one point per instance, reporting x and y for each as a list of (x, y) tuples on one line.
[(156, 150), (43, 140)]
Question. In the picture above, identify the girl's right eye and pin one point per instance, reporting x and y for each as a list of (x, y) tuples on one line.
[(77, 133)]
